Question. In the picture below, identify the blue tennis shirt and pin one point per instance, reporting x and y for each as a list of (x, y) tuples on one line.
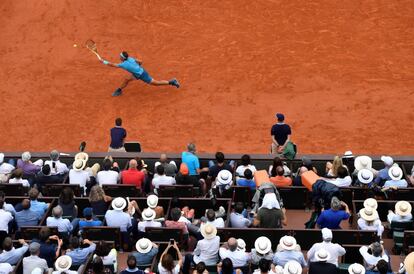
[(131, 66)]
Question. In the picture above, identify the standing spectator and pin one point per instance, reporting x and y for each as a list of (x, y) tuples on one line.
[(33, 261), (369, 220), (5, 218), (146, 251), (63, 264), (48, 250), (88, 221), (107, 176), (133, 176), (132, 267), (170, 167), (383, 175), (372, 254), (270, 215), (29, 168), (322, 266), (281, 133), (117, 217), (162, 179), (331, 218), (244, 165), (18, 174), (237, 219), (78, 254), (6, 169), (10, 254), (118, 135), (98, 200), (78, 175), (334, 250), (396, 174), (247, 180), (63, 225), (239, 258), (402, 213), (27, 217), (288, 250), (280, 180), (56, 166), (166, 264), (148, 216), (190, 158), (215, 168), (262, 250)]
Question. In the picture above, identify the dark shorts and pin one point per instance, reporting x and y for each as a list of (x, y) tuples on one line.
[(144, 77)]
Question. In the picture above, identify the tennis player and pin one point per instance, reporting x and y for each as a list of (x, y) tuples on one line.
[(138, 73)]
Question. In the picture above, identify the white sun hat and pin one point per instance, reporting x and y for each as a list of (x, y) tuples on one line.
[(356, 269), (63, 263), (403, 208), (263, 245), (368, 214), (387, 160), (148, 214), (241, 245), (79, 164), (143, 245), (224, 177), (395, 173), (292, 267), (371, 202), (365, 176), (322, 255), (362, 162), (119, 203), (288, 242), (152, 201)]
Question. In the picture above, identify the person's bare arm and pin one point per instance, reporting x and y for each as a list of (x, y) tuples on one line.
[(284, 220), (274, 140), (346, 207), (180, 256), (105, 62)]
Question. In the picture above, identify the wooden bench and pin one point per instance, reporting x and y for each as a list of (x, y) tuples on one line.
[(176, 191), (103, 233), (32, 232), (54, 190), (14, 189), (119, 190)]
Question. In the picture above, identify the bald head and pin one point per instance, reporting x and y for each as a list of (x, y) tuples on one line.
[(26, 204), (232, 242), (133, 164), (163, 158), (57, 212)]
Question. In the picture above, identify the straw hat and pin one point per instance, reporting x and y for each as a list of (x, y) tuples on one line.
[(348, 154), (278, 269), (322, 255), (148, 214), (143, 245), (119, 203), (362, 162), (288, 242), (356, 269), (402, 208), (365, 176), (152, 201), (208, 231), (63, 263), (79, 164), (224, 177), (262, 245), (82, 155), (371, 202), (241, 245), (292, 267), (368, 214), (409, 263), (395, 173)]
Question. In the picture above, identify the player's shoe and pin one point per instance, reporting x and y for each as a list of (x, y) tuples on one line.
[(174, 83), (117, 92)]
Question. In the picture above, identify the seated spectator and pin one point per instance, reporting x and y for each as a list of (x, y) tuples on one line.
[(215, 168), (190, 159), (402, 213), (408, 266), (162, 179), (365, 178), (98, 200), (27, 217), (383, 175), (411, 176), (33, 261), (170, 167), (10, 254), (5, 218), (88, 221), (67, 203), (229, 250), (363, 162), (211, 218), (244, 165), (45, 177), (94, 169), (356, 268), (382, 268), (133, 176), (148, 215), (63, 264), (396, 174), (6, 206), (63, 225), (116, 217), (237, 219), (108, 255), (288, 250), (348, 160), (166, 264), (17, 178), (146, 251), (280, 180), (78, 254), (200, 268), (322, 266), (292, 267), (6, 169), (175, 221), (97, 266), (262, 250), (247, 180), (132, 267), (107, 176), (332, 218), (223, 181), (152, 202), (266, 267), (78, 175), (56, 166), (29, 168), (183, 177), (372, 254), (342, 178), (369, 220), (226, 267), (276, 163), (332, 168), (334, 250), (48, 249), (269, 214)]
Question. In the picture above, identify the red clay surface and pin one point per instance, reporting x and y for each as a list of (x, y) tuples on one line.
[(341, 71)]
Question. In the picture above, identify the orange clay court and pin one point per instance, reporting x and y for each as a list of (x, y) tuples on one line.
[(342, 72)]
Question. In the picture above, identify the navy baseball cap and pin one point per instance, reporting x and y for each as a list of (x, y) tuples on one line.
[(280, 116), (87, 212)]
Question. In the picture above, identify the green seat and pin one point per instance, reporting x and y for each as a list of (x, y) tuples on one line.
[(398, 229)]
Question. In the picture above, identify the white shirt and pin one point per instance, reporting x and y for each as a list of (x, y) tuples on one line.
[(237, 220), (239, 258), (24, 182), (60, 168), (119, 219), (163, 180), (142, 225), (375, 226), (392, 217), (285, 169), (207, 251), (162, 270), (341, 182), (6, 168), (335, 250), (80, 177), (217, 223), (184, 220), (63, 225), (370, 259), (241, 169), (5, 218), (107, 177), (5, 268)]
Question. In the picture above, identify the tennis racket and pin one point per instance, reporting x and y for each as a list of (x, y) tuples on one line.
[(91, 45)]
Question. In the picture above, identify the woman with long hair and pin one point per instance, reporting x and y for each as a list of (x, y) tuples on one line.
[(67, 202), (278, 162), (98, 200), (332, 168), (166, 264)]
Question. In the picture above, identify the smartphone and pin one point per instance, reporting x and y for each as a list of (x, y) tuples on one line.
[(172, 241)]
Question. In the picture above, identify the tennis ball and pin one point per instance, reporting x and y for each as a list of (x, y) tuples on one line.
[(74, 45)]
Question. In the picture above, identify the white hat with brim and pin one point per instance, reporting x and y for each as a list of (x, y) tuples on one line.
[(278, 269), (387, 160), (241, 245), (409, 263), (362, 162), (292, 267), (365, 176), (208, 231), (322, 255), (326, 234), (224, 177), (395, 173), (368, 214), (82, 155), (143, 245), (63, 263), (152, 201), (1, 158), (371, 202), (263, 245), (288, 243), (119, 203), (356, 269), (79, 164), (348, 154), (148, 214), (403, 208)]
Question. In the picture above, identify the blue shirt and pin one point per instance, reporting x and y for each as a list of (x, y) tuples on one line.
[(27, 217), (80, 255), (396, 183), (145, 258), (47, 252), (245, 182), (191, 161), (86, 223), (382, 175), (14, 255), (131, 66), (332, 218), (118, 135), (38, 207), (282, 257)]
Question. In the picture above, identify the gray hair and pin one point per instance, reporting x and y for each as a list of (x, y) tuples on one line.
[(335, 203), (57, 211), (54, 155), (26, 156), (191, 147)]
